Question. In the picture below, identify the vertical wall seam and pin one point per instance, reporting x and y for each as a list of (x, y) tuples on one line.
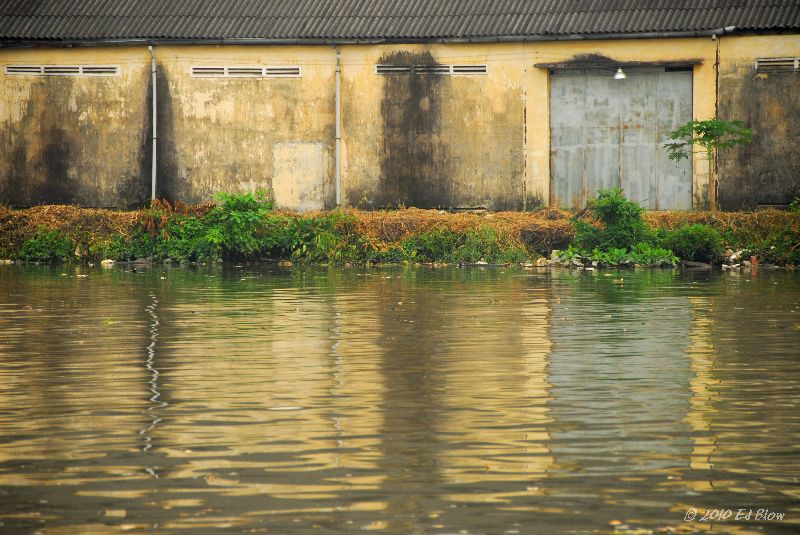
[(524, 131)]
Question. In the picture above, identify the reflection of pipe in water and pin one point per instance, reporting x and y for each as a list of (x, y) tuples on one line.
[(701, 405), (153, 382)]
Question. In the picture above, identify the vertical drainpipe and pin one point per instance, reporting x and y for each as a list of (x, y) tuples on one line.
[(338, 163), (155, 122)]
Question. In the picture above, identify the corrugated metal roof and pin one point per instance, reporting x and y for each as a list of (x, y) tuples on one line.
[(78, 20)]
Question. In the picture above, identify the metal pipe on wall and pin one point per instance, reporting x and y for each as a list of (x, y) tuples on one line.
[(155, 123), (338, 148)]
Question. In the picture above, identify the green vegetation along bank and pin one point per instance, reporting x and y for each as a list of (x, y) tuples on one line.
[(612, 231)]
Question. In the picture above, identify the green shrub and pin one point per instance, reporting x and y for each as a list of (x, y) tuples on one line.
[(620, 237), (794, 206), (649, 255), (641, 253), (46, 245), (779, 247), (445, 245), (621, 223), (695, 242)]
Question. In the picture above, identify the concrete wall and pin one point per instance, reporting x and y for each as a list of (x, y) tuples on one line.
[(240, 134), (75, 139), (767, 171), (415, 140), (434, 140)]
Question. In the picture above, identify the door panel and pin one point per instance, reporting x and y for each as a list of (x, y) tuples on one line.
[(674, 109), (568, 146), (610, 133)]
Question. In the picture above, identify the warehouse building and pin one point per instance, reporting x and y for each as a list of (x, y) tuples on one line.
[(451, 104)]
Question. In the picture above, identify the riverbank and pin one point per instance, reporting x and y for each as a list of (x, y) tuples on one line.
[(246, 227)]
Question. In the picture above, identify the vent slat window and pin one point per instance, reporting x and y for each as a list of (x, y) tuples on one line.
[(208, 71), (100, 70), (282, 72), (237, 71), (777, 64), (63, 70), (469, 69), (246, 72), (433, 68), (393, 69)]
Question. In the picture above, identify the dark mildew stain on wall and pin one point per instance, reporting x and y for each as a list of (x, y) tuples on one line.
[(767, 171), (41, 148), (74, 140), (168, 182), (415, 169), (135, 191)]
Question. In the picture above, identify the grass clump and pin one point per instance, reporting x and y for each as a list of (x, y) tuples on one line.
[(615, 234), (45, 246), (617, 223), (449, 246), (696, 242)]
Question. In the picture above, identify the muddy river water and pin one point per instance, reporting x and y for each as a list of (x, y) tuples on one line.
[(254, 399)]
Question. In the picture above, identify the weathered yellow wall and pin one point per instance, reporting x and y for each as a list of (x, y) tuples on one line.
[(239, 134), (75, 139), (448, 141), (538, 111), (433, 140), (767, 171)]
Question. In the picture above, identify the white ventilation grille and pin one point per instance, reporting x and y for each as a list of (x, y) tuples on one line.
[(238, 71), (777, 64), (392, 69), (63, 70), (433, 68), (469, 69)]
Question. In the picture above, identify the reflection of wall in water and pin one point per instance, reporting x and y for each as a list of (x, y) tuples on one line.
[(73, 393), (619, 376), (250, 358), (498, 393), (743, 357)]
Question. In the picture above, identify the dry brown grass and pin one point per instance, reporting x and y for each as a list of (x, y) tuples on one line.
[(540, 231), (82, 225), (752, 224), (536, 230)]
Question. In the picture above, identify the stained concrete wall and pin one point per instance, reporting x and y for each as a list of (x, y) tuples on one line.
[(433, 140), (767, 171), (75, 139), (243, 134), (416, 140)]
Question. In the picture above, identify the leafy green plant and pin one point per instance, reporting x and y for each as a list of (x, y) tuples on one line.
[(649, 255), (46, 245), (712, 135), (794, 206), (445, 245), (695, 242), (779, 247), (118, 247), (621, 223)]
